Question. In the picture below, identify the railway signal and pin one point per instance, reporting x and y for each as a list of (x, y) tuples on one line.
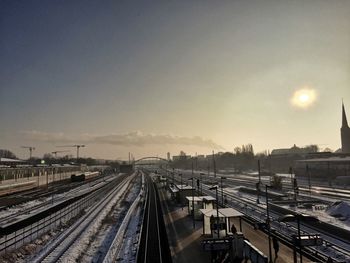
[(30, 148)]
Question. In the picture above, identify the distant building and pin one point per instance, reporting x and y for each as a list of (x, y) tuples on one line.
[(294, 150), (281, 160), (345, 133), (168, 156), (181, 157), (201, 157)]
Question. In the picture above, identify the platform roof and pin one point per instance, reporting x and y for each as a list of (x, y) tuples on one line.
[(200, 198), (8, 160), (223, 212), (173, 189), (184, 187)]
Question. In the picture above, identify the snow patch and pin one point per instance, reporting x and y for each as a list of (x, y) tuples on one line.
[(340, 209)]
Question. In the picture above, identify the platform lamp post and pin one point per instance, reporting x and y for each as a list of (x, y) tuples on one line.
[(194, 223), (297, 218), (268, 222), (222, 190), (181, 191), (200, 176), (217, 208), (258, 184), (173, 175)]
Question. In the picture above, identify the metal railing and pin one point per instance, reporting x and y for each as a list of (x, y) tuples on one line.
[(16, 239)]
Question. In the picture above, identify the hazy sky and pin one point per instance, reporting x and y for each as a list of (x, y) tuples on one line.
[(156, 76)]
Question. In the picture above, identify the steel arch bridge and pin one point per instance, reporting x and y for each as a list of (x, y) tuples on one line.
[(151, 161)]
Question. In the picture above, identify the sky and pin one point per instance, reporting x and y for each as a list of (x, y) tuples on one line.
[(151, 77)]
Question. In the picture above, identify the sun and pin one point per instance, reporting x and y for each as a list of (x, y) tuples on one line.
[(303, 98)]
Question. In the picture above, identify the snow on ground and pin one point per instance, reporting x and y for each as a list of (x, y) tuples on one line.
[(340, 210), (19, 208), (96, 241), (44, 203), (130, 243)]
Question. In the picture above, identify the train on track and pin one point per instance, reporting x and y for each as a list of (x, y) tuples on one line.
[(17, 187), (87, 176)]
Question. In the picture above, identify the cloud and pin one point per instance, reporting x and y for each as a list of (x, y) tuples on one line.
[(135, 138)]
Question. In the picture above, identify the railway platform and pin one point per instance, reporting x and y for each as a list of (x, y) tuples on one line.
[(184, 240)]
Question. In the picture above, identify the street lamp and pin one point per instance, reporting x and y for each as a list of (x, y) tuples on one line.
[(268, 222), (297, 218), (222, 191), (217, 208), (194, 223)]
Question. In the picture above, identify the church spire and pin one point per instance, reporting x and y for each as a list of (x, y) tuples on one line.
[(344, 120)]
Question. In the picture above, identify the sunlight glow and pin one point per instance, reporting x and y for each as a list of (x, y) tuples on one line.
[(303, 98)]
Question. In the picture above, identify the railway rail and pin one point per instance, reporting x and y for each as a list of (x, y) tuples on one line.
[(59, 248), (20, 232), (50, 200), (153, 247)]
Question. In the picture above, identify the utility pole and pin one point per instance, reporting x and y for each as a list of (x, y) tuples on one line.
[(268, 223), (214, 165), (222, 191), (309, 178), (194, 223), (258, 184)]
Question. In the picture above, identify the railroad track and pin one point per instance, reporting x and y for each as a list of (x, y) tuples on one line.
[(128, 232), (321, 253), (153, 247), (57, 250), (49, 202), (245, 204)]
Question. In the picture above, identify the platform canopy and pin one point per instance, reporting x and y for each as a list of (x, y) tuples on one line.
[(184, 187), (200, 198), (223, 212), (173, 189), (8, 160)]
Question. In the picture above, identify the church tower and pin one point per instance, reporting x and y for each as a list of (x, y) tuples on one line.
[(345, 133)]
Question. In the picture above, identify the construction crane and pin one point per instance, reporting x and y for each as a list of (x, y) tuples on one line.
[(78, 146), (31, 149), (55, 152)]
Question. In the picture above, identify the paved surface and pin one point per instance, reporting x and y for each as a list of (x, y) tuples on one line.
[(184, 241), (260, 240), (185, 245)]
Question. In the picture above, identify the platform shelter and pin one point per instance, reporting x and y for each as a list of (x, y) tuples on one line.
[(199, 202), (226, 219), (179, 192)]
